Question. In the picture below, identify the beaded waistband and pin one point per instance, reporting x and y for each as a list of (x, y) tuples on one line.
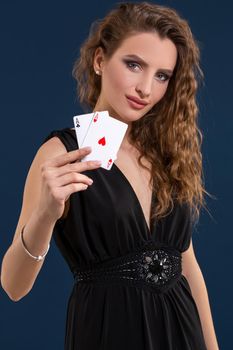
[(156, 268)]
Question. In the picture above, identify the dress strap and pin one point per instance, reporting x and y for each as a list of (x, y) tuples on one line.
[(67, 137)]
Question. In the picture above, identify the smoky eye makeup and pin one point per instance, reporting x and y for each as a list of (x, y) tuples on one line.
[(134, 64), (166, 76), (131, 64)]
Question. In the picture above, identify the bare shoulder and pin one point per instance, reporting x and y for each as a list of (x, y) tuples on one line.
[(48, 150), (51, 148)]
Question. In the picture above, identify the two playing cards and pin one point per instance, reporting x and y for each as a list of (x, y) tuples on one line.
[(102, 133)]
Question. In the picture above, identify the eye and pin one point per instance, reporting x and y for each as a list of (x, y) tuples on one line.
[(135, 66), (164, 76), (132, 65)]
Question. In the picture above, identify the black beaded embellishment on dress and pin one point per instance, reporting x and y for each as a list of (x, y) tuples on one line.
[(154, 267)]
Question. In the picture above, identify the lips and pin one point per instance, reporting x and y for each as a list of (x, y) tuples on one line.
[(137, 100), (134, 104)]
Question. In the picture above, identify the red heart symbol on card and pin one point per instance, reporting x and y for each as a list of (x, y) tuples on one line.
[(102, 141), (96, 117), (109, 162)]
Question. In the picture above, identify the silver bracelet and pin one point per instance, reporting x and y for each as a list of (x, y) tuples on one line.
[(37, 258)]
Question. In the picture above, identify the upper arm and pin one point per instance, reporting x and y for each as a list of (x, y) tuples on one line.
[(31, 194), (189, 260)]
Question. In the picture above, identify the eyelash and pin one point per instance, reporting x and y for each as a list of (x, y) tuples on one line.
[(128, 63)]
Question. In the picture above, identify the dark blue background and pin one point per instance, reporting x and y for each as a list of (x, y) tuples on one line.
[(39, 43)]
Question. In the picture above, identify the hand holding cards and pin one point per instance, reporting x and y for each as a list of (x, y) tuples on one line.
[(102, 133)]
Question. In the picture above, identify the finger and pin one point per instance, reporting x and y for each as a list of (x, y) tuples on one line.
[(69, 157), (88, 165), (72, 178), (75, 167), (69, 189)]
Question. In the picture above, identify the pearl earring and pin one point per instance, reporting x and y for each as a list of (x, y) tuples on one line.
[(97, 72)]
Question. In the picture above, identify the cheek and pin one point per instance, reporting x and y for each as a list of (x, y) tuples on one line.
[(114, 80), (159, 92), (124, 81), (119, 79)]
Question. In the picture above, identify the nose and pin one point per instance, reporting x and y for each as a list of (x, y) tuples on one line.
[(144, 86)]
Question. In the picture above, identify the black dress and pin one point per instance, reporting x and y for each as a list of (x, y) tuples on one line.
[(106, 224)]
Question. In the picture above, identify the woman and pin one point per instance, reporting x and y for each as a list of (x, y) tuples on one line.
[(127, 234)]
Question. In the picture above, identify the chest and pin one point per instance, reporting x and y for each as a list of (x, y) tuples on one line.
[(139, 179)]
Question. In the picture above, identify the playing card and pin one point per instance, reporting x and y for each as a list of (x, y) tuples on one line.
[(81, 124), (95, 117), (104, 136)]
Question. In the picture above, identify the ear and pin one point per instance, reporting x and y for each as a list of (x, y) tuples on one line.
[(98, 60)]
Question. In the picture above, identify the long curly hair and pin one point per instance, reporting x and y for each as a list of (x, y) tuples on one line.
[(168, 135)]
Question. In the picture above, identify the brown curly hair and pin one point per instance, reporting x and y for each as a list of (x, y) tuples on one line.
[(168, 135)]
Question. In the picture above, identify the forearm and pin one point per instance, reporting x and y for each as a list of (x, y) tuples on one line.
[(200, 295), (19, 270)]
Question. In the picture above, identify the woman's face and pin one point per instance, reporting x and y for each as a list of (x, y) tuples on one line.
[(139, 69)]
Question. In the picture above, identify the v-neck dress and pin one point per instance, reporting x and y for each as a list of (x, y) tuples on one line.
[(105, 222)]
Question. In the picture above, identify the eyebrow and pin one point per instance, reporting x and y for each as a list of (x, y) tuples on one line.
[(140, 60)]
